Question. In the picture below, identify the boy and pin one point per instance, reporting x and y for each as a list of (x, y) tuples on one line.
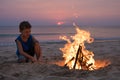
[(27, 45)]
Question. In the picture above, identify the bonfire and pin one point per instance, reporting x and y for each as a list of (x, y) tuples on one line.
[(75, 53)]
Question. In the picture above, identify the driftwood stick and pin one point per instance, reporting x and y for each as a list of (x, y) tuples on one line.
[(76, 59), (69, 61)]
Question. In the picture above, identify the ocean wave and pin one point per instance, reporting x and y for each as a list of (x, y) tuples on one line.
[(7, 44), (12, 35), (58, 42)]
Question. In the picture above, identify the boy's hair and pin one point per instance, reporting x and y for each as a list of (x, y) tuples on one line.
[(24, 25)]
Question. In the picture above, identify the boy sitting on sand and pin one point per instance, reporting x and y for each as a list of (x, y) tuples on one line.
[(27, 45)]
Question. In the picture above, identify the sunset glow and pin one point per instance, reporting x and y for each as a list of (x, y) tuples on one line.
[(45, 11), (60, 23)]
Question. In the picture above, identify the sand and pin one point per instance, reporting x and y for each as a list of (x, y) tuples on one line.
[(52, 66)]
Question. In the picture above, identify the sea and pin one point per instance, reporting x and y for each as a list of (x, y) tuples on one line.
[(51, 33)]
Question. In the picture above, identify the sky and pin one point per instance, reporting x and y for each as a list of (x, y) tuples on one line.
[(60, 12)]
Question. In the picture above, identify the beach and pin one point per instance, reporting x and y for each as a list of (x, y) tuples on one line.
[(79, 39), (52, 65)]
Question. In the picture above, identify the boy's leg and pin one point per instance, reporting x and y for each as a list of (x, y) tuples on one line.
[(21, 59), (38, 51)]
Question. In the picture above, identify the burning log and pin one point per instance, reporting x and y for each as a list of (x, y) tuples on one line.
[(76, 59), (81, 57), (69, 61), (79, 60)]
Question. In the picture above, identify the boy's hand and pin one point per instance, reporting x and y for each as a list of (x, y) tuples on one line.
[(33, 59), (39, 60)]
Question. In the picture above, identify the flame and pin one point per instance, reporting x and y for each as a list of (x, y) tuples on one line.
[(70, 50)]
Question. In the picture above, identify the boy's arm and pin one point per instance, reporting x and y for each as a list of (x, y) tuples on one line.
[(35, 40), (20, 48), (37, 49)]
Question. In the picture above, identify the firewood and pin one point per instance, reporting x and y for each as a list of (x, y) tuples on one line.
[(76, 59)]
